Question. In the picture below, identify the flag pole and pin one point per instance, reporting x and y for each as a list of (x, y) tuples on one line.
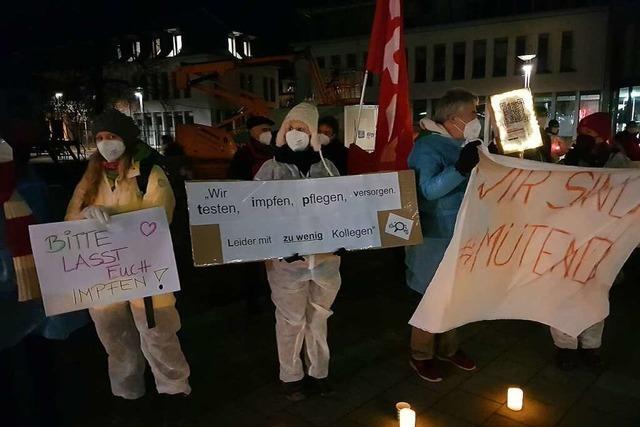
[(364, 88)]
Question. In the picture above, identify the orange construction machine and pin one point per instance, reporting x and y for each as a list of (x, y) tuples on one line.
[(210, 148)]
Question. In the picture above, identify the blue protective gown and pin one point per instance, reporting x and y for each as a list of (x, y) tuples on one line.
[(440, 191)]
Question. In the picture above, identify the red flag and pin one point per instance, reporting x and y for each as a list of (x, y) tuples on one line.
[(394, 131)]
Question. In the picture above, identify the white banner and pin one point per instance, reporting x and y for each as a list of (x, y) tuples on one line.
[(83, 264), (248, 221), (535, 241)]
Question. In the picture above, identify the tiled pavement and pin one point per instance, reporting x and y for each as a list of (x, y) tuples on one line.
[(234, 366)]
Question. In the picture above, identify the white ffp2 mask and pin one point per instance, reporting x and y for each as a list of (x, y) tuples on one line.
[(472, 129), (323, 139), (111, 149), (297, 140), (265, 138)]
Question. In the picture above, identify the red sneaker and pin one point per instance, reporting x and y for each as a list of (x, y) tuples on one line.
[(426, 369), (461, 360)]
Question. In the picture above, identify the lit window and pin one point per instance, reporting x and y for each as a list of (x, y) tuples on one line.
[(177, 45), (232, 45), (118, 52), (156, 47), (136, 49), (247, 48)]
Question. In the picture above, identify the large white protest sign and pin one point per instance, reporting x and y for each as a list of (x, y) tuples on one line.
[(257, 220), (535, 241), (84, 264)]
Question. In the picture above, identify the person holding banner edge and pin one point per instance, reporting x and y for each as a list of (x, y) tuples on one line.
[(111, 185), (442, 158), (302, 288)]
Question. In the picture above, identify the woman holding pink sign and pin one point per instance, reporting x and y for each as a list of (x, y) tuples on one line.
[(123, 176)]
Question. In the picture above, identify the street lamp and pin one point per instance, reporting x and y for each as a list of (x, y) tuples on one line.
[(138, 95), (527, 68), (58, 95)]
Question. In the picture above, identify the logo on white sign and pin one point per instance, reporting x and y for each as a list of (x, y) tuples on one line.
[(399, 226)]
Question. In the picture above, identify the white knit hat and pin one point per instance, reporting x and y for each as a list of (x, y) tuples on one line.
[(306, 113)]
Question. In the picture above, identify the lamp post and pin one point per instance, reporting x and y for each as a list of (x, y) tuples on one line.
[(527, 68), (138, 95)]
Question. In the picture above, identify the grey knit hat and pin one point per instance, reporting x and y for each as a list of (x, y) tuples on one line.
[(115, 122)]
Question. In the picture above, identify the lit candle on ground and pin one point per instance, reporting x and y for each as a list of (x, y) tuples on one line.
[(515, 397), (407, 417), (400, 406)]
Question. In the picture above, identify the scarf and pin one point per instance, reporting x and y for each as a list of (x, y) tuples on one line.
[(18, 217), (301, 159)]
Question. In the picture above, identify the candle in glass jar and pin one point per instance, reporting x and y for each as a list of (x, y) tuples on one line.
[(515, 397)]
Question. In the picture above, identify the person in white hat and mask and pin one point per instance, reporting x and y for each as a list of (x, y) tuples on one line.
[(302, 288)]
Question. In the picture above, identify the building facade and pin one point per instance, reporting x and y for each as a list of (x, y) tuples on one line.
[(142, 83), (570, 76)]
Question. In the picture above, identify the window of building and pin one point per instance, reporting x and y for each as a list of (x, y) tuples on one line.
[(521, 49), (154, 86), (479, 59), (500, 57), (543, 101), (459, 54), (439, 62), (118, 52), (250, 82), (419, 109), (434, 104), (156, 47), (320, 61), (188, 117), (175, 93), (242, 81), (566, 113), (246, 47), (352, 61), (543, 53), (336, 61), (136, 49), (232, 45), (164, 85), (176, 43), (566, 52), (272, 87), (420, 65), (589, 104), (265, 88)]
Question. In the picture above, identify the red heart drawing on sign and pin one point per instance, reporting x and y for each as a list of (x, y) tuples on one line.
[(148, 228)]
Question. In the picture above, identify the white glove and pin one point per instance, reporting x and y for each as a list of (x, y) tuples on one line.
[(96, 212)]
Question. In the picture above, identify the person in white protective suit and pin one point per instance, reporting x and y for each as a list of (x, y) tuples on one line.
[(112, 184), (302, 288)]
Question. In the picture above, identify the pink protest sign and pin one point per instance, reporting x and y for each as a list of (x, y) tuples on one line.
[(83, 264)]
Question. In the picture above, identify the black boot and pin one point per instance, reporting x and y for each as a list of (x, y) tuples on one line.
[(126, 412), (321, 386), (294, 391), (566, 358), (175, 410), (591, 358)]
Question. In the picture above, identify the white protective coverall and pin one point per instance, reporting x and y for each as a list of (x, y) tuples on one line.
[(302, 291), (122, 327)]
